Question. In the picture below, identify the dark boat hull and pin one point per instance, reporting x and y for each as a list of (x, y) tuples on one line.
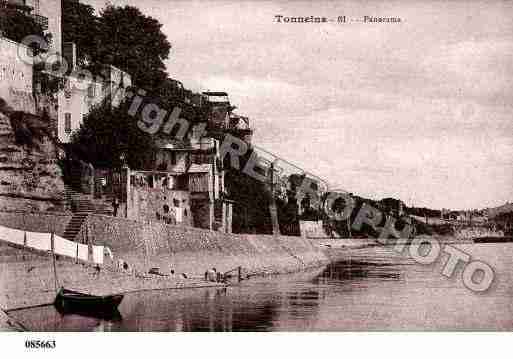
[(68, 302)]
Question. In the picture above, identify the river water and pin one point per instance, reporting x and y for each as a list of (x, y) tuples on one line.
[(366, 289)]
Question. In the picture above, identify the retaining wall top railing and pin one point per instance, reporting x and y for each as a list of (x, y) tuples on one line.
[(43, 242)]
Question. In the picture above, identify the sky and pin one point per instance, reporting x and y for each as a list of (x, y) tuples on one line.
[(420, 110)]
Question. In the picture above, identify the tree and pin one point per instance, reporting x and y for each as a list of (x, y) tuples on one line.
[(244, 190), (120, 36), (80, 26), (108, 133), (135, 43)]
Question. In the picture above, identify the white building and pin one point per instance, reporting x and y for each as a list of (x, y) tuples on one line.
[(80, 95), (15, 77)]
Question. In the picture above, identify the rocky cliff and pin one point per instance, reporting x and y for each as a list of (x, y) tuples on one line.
[(30, 179)]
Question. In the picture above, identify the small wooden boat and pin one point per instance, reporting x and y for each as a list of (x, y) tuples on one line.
[(69, 301)]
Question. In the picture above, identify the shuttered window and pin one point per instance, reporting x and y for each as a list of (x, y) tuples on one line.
[(198, 182), (67, 122)]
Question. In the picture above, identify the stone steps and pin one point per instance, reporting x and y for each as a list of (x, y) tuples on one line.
[(74, 225), (83, 203), (81, 206)]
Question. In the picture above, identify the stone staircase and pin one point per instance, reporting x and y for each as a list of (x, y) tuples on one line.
[(74, 225), (81, 206), (76, 175), (70, 195)]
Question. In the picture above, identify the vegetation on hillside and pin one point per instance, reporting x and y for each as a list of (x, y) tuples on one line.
[(16, 23), (251, 196), (109, 136), (127, 39), (80, 26), (120, 36)]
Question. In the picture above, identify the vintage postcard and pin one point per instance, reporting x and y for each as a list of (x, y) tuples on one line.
[(227, 166)]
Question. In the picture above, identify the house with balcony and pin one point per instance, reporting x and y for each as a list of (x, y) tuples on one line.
[(47, 13), (185, 187), (222, 119), (197, 168)]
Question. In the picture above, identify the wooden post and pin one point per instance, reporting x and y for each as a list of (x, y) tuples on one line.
[(24, 236), (272, 205), (127, 190), (89, 244), (349, 226), (239, 273), (56, 282)]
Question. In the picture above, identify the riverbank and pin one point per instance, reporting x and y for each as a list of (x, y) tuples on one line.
[(180, 255), (373, 288), (355, 243)]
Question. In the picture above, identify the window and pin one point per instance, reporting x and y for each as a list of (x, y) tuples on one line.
[(67, 89), (91, 91), (67, 122), (36, 6)]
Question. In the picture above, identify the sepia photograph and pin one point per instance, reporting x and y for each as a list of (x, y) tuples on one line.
[(255, 166)]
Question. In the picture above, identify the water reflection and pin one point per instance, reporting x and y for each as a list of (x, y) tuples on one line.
[(49, 319), (256, 306), (197, 310), (355, 270)]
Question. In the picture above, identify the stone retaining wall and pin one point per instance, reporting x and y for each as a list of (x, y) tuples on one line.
[(36, 221), (193, 251), (27, 279)]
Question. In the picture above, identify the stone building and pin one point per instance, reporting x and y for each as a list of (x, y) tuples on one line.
[(186, 187), (197, 168), (222, 120)]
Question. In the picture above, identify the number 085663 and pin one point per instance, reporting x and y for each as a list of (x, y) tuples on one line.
[(40, 344)]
